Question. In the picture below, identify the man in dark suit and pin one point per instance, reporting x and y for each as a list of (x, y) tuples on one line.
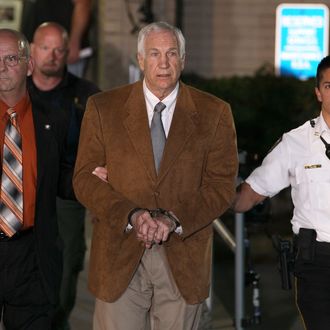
[(64, 95), (30, 256), (73, 15), (170, 151)]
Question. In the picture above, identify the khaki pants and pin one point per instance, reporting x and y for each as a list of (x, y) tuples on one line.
[(152, 301)]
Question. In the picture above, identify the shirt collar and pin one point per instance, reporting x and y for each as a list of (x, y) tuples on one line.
[(20, 108), (65, 81), (152, 99), (322, 129)]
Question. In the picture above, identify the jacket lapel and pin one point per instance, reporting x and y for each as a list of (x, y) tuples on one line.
[(136, 122), (41, 126), (182, 127)]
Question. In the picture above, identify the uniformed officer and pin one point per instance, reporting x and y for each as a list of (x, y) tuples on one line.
[(302, 160)]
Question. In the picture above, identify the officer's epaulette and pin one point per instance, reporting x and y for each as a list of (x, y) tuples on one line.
[(274, 145)]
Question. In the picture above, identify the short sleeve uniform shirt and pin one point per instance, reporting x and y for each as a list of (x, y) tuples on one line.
[(299, 161)]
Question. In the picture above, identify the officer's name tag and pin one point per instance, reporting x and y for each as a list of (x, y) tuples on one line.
[(313, 166)]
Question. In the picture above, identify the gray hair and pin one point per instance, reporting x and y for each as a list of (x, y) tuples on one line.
[(22, 43), (158, 27)]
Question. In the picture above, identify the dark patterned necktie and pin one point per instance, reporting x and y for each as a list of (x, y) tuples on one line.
[(11, 205), (158, 136)]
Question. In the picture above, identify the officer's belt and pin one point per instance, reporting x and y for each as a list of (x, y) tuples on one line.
[(308, 246)]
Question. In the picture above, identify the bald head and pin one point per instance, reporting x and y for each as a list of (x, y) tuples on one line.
[(50, 49), (23, 46), (51, 28)]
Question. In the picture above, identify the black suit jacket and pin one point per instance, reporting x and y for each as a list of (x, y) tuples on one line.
[(51, 171)]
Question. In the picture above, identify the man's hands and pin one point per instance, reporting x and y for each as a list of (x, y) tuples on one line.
[(151, 230)]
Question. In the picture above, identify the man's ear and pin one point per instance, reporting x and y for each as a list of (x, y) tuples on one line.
[(318, 94), (140, 59), (30, 64), (183, 62)]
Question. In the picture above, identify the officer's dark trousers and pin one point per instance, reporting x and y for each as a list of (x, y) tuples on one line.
[(23, 301), (313, 289), (71, 226)]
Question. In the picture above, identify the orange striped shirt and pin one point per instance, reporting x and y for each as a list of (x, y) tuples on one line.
[(25, 122)]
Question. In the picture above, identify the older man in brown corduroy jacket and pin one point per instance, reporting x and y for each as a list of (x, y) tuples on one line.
[(151, 248)]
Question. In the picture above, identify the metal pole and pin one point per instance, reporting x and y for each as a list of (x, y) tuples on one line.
[(239, 271), (225, 234), (209, 300)]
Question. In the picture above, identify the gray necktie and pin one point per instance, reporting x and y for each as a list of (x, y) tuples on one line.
[(158, 136)]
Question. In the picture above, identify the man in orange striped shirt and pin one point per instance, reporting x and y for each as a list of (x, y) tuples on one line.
[(30, 256)]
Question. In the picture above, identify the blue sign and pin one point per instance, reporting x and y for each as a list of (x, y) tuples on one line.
[(301, 38)]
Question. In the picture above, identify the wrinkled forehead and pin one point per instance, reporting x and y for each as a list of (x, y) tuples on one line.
[(161, 40), (161, 36), (49, 35), (8, 42)]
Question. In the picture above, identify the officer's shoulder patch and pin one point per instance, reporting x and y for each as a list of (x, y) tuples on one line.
[(274, 145)]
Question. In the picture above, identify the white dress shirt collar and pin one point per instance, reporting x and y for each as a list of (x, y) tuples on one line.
[(152, 99), (169, 101), (320, 128)]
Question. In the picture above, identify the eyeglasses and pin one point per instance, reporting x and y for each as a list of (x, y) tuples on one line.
[(327, 147), (11, 60)]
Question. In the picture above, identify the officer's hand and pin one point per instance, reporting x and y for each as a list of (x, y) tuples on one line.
[(101, 173)]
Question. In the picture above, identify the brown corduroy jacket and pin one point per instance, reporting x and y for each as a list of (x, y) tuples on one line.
[(196, 181)]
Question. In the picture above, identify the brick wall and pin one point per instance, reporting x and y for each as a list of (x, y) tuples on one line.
[(117, 42), (224, 37), (231, 37)]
